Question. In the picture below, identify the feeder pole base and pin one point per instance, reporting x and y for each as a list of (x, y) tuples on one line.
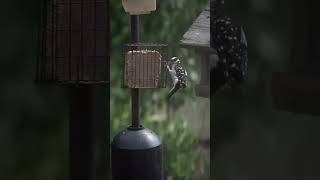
[(81, 134)]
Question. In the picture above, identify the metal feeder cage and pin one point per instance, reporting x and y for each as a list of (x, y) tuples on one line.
[(73, 50), (144, 66), (74, 42)]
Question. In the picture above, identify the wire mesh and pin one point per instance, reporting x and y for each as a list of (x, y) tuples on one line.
[(144, 65), (73, 42)]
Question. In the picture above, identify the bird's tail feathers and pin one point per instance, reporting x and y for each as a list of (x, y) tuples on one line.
[(172, 91)]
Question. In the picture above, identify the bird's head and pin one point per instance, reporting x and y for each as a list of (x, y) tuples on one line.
[(174, 60)]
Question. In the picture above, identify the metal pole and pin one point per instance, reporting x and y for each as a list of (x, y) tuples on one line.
[(135, 92), (81, 134)]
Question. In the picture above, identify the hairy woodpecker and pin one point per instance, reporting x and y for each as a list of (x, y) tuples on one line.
[(229, 40), (178, 75)]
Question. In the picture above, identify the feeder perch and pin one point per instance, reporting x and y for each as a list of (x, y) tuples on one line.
[(137, 7), (144, 66)]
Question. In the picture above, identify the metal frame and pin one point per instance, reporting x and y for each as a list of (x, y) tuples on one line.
[(74, 42)]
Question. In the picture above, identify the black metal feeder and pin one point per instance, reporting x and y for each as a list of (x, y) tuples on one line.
[(137, 152), (73, 47), (73, 51)]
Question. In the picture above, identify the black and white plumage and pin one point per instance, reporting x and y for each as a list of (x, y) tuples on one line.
[(178, 75), (229, 40)]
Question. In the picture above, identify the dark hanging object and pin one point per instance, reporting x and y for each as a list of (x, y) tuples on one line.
[(73, 50), (229, 40), (144, 66), (73, 39)]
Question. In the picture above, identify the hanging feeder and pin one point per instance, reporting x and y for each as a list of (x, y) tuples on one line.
[(73, 51), (145, 66), (73, 42), (198, 38), (137, 7)]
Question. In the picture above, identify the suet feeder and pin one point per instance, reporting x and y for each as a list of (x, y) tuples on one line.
[(198, 38), (73, 51), (145, 65), (137, 152), (137, 7)]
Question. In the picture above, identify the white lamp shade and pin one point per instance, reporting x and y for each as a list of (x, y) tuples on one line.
[(136, 7)]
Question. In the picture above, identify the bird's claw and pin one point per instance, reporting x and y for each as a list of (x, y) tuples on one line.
[(168, 67)]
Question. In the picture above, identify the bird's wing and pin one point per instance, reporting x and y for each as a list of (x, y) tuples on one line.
[(174, 65), (172, 91)]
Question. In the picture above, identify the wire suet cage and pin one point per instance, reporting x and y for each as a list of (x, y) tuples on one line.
[(73, 42), (144, 65)]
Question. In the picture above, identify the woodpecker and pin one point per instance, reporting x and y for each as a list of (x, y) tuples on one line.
[(178, 75), (229, 40)]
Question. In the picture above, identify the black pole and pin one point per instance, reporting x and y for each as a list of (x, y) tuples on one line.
[(81, 134), (137, 152), (135, 92)]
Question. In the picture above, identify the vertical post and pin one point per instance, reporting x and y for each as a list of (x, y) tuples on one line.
[(136, 153), (81, 131), (305, 37), (135, 91)]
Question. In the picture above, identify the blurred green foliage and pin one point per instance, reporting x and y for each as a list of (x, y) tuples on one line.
[(166, 25)]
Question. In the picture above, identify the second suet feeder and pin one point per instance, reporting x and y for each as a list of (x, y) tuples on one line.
[(73, 48)]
